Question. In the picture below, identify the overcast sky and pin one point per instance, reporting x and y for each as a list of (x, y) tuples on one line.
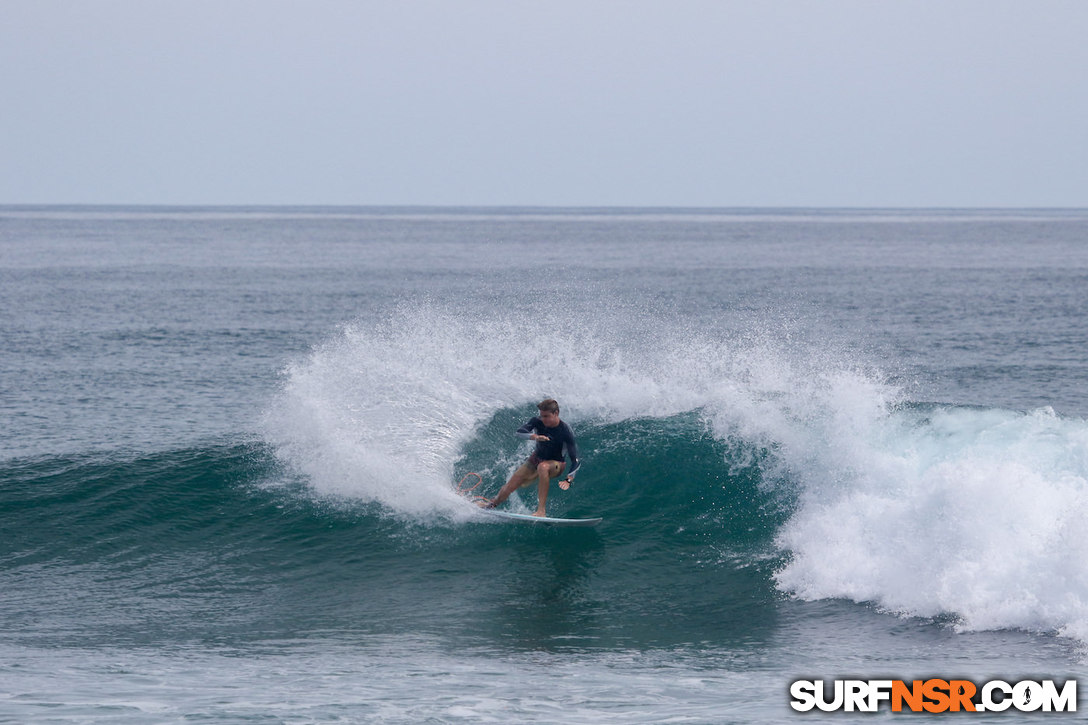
[(499, 102)]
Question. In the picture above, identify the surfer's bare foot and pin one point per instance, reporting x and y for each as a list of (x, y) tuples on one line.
[(540, 513), (485, 503)]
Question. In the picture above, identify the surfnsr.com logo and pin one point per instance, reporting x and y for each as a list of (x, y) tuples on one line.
[(934, 695)]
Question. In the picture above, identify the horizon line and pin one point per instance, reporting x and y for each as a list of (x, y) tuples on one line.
[(534, 207)]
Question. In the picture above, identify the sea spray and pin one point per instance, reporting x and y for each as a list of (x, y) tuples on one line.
[(380, 412)]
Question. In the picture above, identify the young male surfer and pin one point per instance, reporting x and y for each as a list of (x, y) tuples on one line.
[(546, 462)]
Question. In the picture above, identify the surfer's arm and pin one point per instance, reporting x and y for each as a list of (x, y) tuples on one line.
[(572, 451), (525, 432)]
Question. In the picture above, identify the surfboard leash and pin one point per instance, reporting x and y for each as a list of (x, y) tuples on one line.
[(466, 491)]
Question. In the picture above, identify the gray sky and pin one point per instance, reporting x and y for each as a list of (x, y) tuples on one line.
[(684, 103)]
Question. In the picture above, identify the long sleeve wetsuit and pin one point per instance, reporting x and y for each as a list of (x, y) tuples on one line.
[(552, 449)]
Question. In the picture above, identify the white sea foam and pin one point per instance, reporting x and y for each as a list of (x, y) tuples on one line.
[(974, 513), (977, 514)]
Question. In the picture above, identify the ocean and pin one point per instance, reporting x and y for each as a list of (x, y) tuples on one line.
[(825, 444)]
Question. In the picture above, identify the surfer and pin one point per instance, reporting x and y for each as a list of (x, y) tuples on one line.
[(551, 436)]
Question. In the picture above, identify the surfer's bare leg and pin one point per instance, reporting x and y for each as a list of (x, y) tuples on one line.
[(522, 477), (546, 471)]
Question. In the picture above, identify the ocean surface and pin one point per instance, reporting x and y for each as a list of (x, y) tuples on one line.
[(825, 444)]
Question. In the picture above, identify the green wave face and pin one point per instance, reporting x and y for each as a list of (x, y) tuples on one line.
[(222, 543)]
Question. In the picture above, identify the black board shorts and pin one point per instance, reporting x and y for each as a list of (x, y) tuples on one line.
[(534, 461)]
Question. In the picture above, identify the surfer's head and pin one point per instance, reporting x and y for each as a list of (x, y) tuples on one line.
[(549, 412)]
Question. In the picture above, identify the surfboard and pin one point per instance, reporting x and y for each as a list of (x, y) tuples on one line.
[(546, 520)]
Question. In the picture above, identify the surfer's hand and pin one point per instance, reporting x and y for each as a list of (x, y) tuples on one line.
[(565, 483), (537, 437)]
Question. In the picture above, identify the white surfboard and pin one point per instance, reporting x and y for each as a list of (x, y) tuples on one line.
[(547, 520)]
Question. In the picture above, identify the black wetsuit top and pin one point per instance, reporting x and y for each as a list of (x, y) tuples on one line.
[(552, 449)]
